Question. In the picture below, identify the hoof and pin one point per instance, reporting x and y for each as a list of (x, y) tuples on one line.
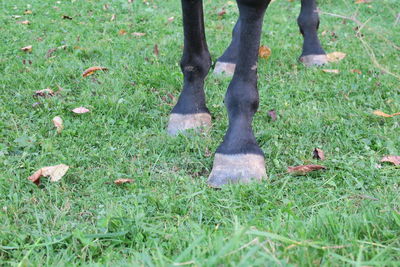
[(314, 60), (239, 168), (224, 68), (179, 123)]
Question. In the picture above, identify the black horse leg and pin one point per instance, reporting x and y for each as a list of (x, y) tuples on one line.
[(191, 110), (308, 22), (239, 159)]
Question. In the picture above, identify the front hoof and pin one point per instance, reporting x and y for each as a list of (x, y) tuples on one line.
[(179, 123), (239, 168), (314, 60), (225, 68)]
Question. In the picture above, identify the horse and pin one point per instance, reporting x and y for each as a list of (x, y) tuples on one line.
[(238, 159)]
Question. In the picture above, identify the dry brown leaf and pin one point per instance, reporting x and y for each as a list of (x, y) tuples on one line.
[(28, 12), (392, 159), (92, 70), (123, 181), (264, 52), (55, 172), (80, 110), (318, 154), (304, 169), (44, 93), (25, 22), (363, 1), (138, 34), (155, 50), (383, 114), (171, 19), (113, 16), (58, 123), (221, 13), (27, 48), (330, 71), (122, 32), (335, 56), (356, 71), (66, 17)]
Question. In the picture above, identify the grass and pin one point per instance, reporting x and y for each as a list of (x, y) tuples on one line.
[(347, 215)]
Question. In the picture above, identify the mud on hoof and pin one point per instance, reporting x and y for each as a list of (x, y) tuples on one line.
[(314, 60), (224, 68), (179, 123), (239, 168)]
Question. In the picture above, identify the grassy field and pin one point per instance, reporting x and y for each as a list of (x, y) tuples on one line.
[(346, 215)]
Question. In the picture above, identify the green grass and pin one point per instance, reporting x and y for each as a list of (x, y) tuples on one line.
[(347, 215)]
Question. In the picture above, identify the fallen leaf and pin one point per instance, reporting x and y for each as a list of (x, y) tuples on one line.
[(55, 172), (25, 22), (66, 17), (28, 12), (264, 52), (106, 6), (272, 114), (122, 32), (392, 159), (383, 114), (113, 16), (330, 71), (155, 50), (92, 70), (363, 1), (139, 34), (356, 71), (80, 110), (44, 93), (335, 56), (16, 17), (123, 181), (171, 19), (27, 48), (318, 154), (58, 123), (221, 13), (304, 169)]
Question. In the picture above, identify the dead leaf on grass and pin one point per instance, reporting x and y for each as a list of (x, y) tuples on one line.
[(66, 17), (27, 48), (92, 70), (55, 172), (363, 1), (138, 34), (123, 181), (264, 52), (383, 114), (170, 19), (392, 159), (113, 17), (304, 169), (335, 56), (80, 110), (28, 12), (272, 114), (44, 93), (356, 71), (318, 154), (331, 71), (122, 32), (58, 123), (25, 22)]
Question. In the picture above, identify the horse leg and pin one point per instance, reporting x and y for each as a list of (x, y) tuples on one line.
[(191, 111), (308, 22), (239, 159)]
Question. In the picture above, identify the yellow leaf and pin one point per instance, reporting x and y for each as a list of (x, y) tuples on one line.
[(335, 56), (92, 70)]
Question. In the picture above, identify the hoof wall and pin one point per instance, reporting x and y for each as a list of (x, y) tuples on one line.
[(179, 123), (224, 68), (240, 168), (314, 60)]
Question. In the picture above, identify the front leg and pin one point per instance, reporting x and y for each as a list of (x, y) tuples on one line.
[(191, 111), (239, 159)]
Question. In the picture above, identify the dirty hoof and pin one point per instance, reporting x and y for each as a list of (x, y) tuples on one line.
[(224, 68), (239, 168), (314, 60), (179, 123)]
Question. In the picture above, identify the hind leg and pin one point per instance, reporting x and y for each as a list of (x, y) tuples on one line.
[(308, 21), (191, 111)]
